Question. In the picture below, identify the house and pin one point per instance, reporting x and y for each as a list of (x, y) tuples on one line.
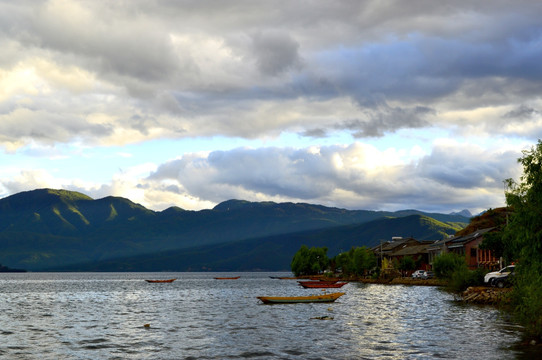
[(469, 246), (399, 248), (425, 252)]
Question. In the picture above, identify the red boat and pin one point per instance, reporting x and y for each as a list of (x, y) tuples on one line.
[(319, 285), (161, 281), (320, 281), (227, 278)]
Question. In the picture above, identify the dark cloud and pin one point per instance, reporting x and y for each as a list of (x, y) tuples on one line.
[(387, 119), (275, 52), (314, 133), (199, 66), (521, 112)]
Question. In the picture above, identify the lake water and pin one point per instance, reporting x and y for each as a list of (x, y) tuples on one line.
[(102, 316)]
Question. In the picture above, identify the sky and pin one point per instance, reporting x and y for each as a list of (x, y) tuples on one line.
[(375, 105)]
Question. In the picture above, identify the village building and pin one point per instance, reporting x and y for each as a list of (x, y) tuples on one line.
[(395, 250), (424, 253), (469, 247)]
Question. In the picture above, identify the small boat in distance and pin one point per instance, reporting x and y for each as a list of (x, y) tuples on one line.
[(300, 299), (321, 285), (161, 281), (227, 278)]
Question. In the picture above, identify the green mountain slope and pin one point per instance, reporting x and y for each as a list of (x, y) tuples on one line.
[(50, 228), (274, 253)]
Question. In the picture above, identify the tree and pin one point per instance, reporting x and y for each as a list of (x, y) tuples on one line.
[(523, 238), (364, 260), (407, 263), (309, 261), (345, 261), (357, 261)]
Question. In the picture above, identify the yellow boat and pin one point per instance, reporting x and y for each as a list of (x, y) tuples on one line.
[(161, 281), (300, 299)]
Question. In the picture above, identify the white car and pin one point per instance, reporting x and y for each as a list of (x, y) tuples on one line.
[(495, 274), (418, 274)]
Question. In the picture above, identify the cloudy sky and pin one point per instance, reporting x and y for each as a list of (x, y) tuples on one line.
[(379, 105)]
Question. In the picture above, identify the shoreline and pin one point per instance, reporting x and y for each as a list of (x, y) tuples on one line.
[(480, 295)]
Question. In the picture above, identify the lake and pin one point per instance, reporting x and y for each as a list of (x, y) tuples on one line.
[(103, 316)]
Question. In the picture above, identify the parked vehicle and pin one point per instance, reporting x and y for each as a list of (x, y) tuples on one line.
[(428, 274), (503, 280), (490, 277), (418, 274)]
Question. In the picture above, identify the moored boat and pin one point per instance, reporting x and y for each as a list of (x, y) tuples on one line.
[(300, 299), (318, 281), (320, 285), (161, 281), (228, 278)]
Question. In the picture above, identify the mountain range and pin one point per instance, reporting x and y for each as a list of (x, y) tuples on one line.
[(60, 230)]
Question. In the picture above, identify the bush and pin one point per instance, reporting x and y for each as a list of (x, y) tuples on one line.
[(446, 264), (462, 278)]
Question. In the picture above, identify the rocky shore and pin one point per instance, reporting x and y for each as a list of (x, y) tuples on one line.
[(473, 295), (486, 295)]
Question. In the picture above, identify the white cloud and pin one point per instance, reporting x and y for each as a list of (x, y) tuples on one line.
[(452, 176), (357, 176)]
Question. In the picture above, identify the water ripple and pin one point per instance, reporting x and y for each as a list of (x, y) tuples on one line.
[(104, 316)]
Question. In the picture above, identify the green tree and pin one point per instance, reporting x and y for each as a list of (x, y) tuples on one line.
[(357, 261), (407, 263), (345, 261), (523, 236), (494, 241), (309, 261), (364, 260)]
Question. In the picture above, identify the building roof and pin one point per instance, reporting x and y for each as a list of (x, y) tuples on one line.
[(403, 247), (460, 241), (412, 250)]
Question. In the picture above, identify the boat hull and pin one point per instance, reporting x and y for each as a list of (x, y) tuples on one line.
[(300, 299), (161, 281), (227, 278), (318, 285)]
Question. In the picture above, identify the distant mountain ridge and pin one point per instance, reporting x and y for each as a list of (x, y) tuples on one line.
[(46, 228)]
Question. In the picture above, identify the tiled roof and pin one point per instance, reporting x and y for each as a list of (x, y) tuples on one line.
[(460, 240), (412, 250)]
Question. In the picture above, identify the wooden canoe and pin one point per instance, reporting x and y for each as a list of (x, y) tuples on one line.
[(321, 285), (300, 299), (227, 278), (161, 281)]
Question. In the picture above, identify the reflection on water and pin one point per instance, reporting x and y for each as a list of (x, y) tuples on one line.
[(102, 316)]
